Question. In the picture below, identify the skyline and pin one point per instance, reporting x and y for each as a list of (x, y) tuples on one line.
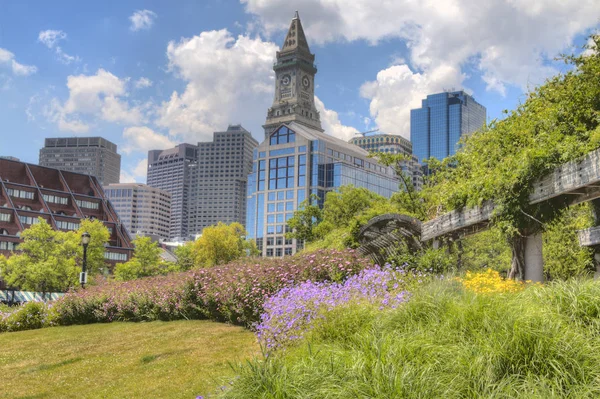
[(145, 75)]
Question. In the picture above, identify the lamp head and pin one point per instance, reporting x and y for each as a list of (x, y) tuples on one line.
[(85, 238)]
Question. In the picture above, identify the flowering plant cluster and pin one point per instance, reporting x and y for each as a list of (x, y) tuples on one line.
[(232, 293), (490, 281), (293, 311), (30, 316)]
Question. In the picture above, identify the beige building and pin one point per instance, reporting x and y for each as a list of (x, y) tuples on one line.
[(142, 209)]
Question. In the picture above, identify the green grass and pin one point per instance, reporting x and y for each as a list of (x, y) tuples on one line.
[(444, 343), (179, 359)]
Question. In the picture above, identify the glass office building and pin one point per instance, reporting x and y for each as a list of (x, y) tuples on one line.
[(294, 162), (438, 125)]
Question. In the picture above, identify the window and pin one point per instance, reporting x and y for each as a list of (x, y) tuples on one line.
[(67, 225), (115, 256), (283, 135), (281, 173), (87, 204), (5, 217), (28, 219), (262, 165), (20, 193), (55, 199), (301, 170), (8, 246)]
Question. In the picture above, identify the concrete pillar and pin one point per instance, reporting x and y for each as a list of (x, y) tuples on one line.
[(597, 263), (534, 261)]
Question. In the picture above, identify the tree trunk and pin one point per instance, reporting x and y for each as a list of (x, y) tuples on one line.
[(517, 266)]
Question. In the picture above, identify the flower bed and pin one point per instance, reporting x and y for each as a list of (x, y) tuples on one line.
[(232, 293)]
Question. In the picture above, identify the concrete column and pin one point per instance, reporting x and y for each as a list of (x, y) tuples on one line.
[(597, 263), (534, 261)]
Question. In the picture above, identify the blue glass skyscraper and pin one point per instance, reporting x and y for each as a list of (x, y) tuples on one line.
[(443, 118)]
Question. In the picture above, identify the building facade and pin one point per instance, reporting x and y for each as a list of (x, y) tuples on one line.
[(144, 210), (28, 192), (393, 144), (297, 159), (442, 120), (174, 171), (92, 156), (219, 187)]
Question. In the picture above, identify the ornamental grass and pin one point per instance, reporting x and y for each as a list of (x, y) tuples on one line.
[(445, 342)]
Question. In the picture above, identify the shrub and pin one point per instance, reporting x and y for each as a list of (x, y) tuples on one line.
[(233, 293), (30, 316)]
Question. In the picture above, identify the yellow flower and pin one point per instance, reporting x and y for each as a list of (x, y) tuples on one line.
[(490, 281)]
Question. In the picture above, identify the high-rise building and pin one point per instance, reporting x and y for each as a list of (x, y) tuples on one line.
[(28, 192), (174, 171), (207, 182), (219, 189), (92, 156), (144, 210), (297, 159), (442, 120), (393, 144)]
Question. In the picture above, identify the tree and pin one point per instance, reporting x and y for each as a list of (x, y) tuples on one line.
[(222, 244), (99, 237), (145, 262), (185, 256), (305, 219), (46, 261)]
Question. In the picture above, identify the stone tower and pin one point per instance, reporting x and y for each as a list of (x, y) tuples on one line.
[(294, 83)]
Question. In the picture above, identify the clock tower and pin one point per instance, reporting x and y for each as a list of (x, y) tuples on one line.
[(294, 83)]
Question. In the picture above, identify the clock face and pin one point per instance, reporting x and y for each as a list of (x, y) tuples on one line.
[(305, 82), (285, 80)]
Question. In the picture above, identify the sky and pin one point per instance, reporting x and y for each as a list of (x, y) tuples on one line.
[(152, 74)]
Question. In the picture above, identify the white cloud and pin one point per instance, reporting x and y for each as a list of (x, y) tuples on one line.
[(8, 58), (509, 42), (144, 139), (330, 122), (229, 80), (101, 96), (50, 38), (142, 83), (137, 174), (397, 90), (142, 19)]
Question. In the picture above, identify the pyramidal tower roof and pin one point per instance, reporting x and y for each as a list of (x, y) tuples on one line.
[(295, 38)]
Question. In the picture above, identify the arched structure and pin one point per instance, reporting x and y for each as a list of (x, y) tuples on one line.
[(380, 236)]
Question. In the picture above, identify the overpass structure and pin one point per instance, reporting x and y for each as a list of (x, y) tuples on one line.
[(571, 183)]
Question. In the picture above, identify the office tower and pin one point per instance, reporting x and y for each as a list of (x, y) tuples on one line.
[(393, 144), (92, 156), (62, 198), (297, 159), (144, 210), (442, 120), (219, 189), (174, 170)]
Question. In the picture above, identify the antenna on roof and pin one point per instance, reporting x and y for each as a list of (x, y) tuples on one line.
[(368, 131)]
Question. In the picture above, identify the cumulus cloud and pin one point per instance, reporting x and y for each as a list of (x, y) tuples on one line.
[(331, 123), (7, 58), (136, 174), (142, 19), (50, 39), (101, 96), (142, 83), (509, 42), (397, 90), (228, 80), (144, 139)]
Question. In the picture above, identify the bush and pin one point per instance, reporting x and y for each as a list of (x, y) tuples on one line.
[(233, 293), (445, 342), (30, 316)]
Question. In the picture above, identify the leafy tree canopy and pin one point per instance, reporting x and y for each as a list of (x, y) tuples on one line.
[(221, 244)]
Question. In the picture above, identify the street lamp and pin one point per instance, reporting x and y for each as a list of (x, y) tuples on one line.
[(85, 240)]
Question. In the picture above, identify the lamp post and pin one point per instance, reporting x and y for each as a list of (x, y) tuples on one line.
[(85, 240)]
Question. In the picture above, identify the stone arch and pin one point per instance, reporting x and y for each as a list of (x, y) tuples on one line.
[(379, 238)]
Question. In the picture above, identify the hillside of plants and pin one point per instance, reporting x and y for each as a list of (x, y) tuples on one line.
[(457, 321)]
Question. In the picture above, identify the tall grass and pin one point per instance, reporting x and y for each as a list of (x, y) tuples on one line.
[(445, 342)]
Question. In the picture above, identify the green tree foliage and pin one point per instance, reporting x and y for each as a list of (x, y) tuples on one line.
[(185, 256), (46, 261), (305, 219), (146, 261), (221, 244), (99, 236), (558, 122)]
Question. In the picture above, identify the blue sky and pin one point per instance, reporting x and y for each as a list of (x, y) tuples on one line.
[(150, 74)]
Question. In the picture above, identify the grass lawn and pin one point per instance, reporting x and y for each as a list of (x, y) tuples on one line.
[(177, 359)]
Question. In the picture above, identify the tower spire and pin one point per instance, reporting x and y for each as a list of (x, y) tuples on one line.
[(295, 38)]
